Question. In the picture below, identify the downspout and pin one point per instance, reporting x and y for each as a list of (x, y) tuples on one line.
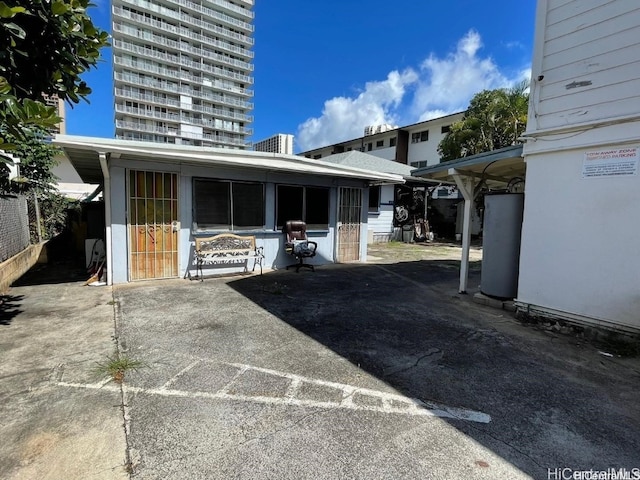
[(107, 213)]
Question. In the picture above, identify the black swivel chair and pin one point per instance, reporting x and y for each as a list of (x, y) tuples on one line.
[(298, 244)]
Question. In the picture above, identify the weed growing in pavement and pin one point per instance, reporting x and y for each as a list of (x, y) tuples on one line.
[(117, 365)]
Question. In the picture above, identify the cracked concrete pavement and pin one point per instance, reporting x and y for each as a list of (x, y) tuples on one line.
[(354, 371)]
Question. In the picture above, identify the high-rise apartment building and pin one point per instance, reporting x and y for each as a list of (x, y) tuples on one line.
[(54, 101), (280, 143), (183, 71)]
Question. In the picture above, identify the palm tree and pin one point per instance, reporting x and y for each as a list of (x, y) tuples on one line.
[(494, 119)]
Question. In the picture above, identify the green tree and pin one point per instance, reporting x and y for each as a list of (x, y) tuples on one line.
[(45, 47), (37, 159), (494, 119), (36, 180)]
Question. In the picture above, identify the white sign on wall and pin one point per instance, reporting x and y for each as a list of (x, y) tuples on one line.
[(614, 162)]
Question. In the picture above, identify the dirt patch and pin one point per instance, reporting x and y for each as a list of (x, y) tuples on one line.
[(406, 252)]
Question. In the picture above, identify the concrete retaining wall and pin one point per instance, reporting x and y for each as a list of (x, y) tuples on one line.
[(13, 268)]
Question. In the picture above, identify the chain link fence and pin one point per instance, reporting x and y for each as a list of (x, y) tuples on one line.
[(30, 219), (35, 222), (14, 226)]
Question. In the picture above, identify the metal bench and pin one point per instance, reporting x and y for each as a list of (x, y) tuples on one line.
[(227, 249)]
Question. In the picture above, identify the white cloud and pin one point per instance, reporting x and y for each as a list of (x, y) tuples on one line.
[(344, 118), (447, 84), (438, 87)]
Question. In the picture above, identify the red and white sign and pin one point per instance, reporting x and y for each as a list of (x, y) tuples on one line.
[(614, 162)]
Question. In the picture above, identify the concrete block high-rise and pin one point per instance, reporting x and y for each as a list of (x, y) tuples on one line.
[(280, 143), (183, 71)]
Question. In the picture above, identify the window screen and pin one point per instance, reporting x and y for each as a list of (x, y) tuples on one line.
[(309, 204), (212, 204), (224, 205)]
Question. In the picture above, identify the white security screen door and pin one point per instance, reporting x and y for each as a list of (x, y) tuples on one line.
[(349, 215)]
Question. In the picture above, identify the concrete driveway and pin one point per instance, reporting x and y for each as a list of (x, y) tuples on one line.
[(358, 371), (53, 333)]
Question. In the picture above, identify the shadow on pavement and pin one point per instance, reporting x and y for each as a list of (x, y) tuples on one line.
[(9, 308), (61, 271), (405, 324), (64, 265)]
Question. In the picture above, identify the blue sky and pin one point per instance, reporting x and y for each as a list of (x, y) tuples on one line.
[(326, 69)]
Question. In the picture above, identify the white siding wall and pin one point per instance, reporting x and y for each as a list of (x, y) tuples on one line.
[(381, 223), (587, 63), (580, 240), (580, 236)]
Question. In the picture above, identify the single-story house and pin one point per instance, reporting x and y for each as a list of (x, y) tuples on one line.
[(160, 197)]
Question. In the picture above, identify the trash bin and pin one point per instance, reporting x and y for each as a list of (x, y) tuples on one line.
[(407, 233)]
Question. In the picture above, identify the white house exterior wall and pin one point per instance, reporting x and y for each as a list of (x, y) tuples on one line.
[(579, 240), (588, 54), (388, 153), (428, 151), (418, 153), (270, 238), (580, 236), (380, 224)]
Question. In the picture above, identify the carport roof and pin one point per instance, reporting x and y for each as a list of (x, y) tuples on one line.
[(498, 167), (84, 155)]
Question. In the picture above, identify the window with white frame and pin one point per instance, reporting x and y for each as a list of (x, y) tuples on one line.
[(227, 205), (309, 204)]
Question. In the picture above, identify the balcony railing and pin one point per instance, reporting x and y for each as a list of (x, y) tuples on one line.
[(178, 118), (174, 103), (173, 131), (134, 79), (165, 57), (147, 137), (220, 16), (215, 28), (221, 3), (183, 75), (164, 26), (184, 47), (150, 36), (182, 61)]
